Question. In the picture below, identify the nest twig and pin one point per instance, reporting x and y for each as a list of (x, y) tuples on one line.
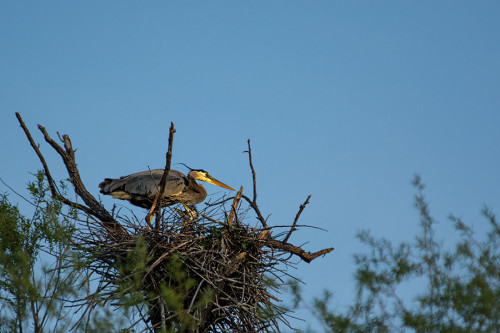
[(207, 271)]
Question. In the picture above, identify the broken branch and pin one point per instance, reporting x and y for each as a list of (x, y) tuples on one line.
[(163, 182), (234, 206)]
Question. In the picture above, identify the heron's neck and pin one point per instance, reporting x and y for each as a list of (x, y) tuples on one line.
[(196, 186)]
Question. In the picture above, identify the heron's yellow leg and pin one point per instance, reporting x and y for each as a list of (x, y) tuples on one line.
[(148, 223)]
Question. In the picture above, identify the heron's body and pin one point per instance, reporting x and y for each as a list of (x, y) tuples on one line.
[(141, 188)]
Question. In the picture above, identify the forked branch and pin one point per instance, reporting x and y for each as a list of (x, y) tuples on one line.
[(253, 202), (53, 189), (296, 250), (93, 207), (266, 237)]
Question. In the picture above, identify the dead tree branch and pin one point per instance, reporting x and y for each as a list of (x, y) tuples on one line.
[(265, 234), (296, 250), (155, 208), (249, 151), (93, 207), (292, 229), (253, 202), (234, 206)]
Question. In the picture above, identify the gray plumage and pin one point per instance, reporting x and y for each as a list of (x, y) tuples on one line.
[(141, 188)]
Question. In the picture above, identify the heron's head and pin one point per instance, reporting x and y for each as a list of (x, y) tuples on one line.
[(206, 177)]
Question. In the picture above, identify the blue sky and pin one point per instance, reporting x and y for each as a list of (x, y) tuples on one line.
[(343, 100)]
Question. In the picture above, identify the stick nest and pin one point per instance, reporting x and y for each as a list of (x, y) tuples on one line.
[(212, 278)]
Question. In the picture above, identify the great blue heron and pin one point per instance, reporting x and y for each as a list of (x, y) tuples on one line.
[(141, 188)]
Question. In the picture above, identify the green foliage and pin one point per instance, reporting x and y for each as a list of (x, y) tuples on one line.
[(462, 286), (28, 299), (182, 298), (40, 273), (132, 269), (16, 253), (270, 311)]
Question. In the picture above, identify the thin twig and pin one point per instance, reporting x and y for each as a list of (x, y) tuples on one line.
[(249, 151), (211, 219), (40, 156), (256, 210), (292, 229)]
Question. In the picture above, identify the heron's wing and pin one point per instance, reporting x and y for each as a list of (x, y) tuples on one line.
[(145, 183)]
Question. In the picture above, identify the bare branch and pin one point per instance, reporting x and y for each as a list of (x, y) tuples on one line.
[(40, 156), (292, 229), (50, 180), (249, 151), (298, 251), (256, 210), (94, 207), (163, 182), (265, 234)]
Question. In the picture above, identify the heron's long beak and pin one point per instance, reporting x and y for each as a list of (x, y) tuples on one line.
[(218, 183)]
